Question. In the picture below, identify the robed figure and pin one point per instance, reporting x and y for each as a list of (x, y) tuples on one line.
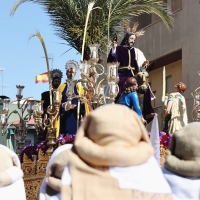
[(56, 76), (131, 60), (69, 119)]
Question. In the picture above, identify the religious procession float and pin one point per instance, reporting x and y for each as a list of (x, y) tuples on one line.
[(110, 72)]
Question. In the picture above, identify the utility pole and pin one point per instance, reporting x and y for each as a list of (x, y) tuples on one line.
[(50, 58), (2, 70)]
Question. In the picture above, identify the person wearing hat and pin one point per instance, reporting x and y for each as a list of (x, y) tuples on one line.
[(108, 162), (182, 164), (45, 190), (68, 118), (11, 182), (131, 60), (56, 76)]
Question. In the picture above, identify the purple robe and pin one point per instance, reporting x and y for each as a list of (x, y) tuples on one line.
[(121, 55), (147, 107)]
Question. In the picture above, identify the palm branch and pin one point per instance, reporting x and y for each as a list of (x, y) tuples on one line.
[(47, 60), (68, 17)]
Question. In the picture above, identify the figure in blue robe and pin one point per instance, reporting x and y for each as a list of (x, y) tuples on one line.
[(68, 119), (129, 97), (132, 101)]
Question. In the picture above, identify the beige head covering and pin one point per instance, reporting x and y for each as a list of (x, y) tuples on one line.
[(184, 152), (109, 136), (113, 135), (10, 175)]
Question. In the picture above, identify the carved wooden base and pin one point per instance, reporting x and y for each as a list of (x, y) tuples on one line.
[(163, 153), (34, 172), (32, 186)]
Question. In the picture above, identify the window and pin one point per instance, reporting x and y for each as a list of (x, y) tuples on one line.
[(28, 141), (147, 19), (143, 20), (176, 5), (169, 87)]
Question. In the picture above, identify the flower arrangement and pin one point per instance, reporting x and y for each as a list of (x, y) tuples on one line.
[(164, 145), (31, 149), (165, 139)]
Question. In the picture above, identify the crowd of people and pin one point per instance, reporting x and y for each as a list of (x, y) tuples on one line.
[(112, 157), (112, 162)]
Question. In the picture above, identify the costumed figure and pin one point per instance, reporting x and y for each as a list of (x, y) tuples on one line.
[(56, 76), (89, 92), (11, 182), (181, 167), (131, 61), (176, 113), (129, 97), (68, 118), (94, 167)]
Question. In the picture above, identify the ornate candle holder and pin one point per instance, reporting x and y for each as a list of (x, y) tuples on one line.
[(35, 109), (95, 87), (196, 106), (112, 80), (48, 120), (94, 49), (21, 128)]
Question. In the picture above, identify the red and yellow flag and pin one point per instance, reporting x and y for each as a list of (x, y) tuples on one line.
[(42, 78)]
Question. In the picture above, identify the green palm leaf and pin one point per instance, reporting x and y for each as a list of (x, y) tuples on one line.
[(68, 17)]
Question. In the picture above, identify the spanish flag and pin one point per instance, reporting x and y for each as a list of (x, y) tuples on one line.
[(42, 78)]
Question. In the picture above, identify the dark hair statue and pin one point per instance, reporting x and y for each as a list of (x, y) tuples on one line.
[(131, 32), (130, 85), (126, 37)]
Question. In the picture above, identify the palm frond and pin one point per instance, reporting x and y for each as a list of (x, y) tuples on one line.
[(68, 18), (37, 34)]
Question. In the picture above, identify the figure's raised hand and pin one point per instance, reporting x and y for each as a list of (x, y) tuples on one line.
[(146, 63), (143, 121), (114, 44), (165, 114), (149, 116), (72, 106)]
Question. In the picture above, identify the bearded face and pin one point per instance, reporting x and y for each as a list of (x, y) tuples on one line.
[(131, 40), (56, 83)]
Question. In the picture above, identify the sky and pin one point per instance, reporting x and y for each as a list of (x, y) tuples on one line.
[(22, 59)]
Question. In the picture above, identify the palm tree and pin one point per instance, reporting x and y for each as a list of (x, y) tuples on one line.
[(68, 17)]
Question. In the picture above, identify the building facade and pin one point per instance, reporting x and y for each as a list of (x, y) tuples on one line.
[(178, 50)]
